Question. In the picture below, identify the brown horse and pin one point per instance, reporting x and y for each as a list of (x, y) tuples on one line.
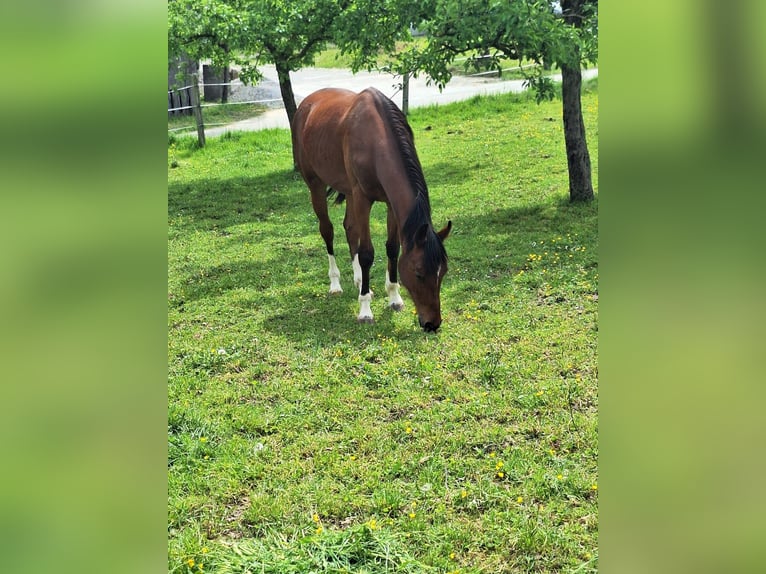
[(361, 146)]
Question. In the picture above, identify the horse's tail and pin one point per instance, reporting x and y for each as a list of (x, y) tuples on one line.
[(339, 197)]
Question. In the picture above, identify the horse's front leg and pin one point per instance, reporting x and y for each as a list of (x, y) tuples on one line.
[(319, 203), (392, 252), (365, 256)]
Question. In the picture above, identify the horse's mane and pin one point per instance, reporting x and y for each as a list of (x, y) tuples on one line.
[(434, 252)]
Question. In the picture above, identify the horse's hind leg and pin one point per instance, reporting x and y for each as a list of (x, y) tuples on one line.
[(392, 251), (352, 237), (319, 203)]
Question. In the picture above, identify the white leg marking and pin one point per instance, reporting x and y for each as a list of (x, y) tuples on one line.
[(357, 272), (334, 276), (394, 299), (365, 313)]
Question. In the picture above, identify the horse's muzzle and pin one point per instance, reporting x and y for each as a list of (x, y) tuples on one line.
[(429, 327)]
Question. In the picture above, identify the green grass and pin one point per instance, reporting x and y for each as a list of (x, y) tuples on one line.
[(224, 114), (301, 441)]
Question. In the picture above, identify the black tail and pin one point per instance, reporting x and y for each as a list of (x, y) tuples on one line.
[(339, 197)]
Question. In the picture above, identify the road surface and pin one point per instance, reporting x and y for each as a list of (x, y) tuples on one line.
[(308, 80)]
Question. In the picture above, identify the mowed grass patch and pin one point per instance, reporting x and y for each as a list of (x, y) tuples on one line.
[(300, 441)]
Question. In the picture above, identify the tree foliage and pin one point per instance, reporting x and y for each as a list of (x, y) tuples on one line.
[(524, 30), (286, 33)]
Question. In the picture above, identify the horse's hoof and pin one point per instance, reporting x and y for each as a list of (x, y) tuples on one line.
[(397, 306), (336, 291), (366, 320)]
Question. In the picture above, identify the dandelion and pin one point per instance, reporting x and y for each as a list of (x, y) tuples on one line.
[(520, 499), (594, 487), (539, 393), (412, 515), (552, 452), (315, 518), (408, 430), (319, 529), (500, 474), (451, 555), (205, 550), (190, 562), (492, 455), (463, 494), (353, 457), (372, 524), (203, 439), (499, 465), (587, 555), (560, 476)]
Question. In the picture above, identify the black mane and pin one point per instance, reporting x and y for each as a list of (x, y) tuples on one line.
[(434, 252)]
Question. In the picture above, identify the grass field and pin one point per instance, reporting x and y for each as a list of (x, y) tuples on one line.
[(219, 114), (300, 441)]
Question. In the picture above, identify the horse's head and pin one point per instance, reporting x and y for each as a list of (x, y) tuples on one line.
[(422, 267)]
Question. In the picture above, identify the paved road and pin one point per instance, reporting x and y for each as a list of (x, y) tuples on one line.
[(308, 80)]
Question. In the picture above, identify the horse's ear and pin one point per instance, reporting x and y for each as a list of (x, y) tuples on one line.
[(445, 232)]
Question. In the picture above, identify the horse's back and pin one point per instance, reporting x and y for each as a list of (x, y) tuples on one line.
[(317, 136)]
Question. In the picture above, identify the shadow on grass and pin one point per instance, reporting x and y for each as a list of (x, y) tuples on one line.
[(216, 203)]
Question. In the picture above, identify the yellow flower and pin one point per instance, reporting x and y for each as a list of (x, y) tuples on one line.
[(463, 494), (372, 524), (519, 500), (412, 515), (203, 439), (205, 550), (560, 476), (319, 529), (408, 430), (552, 452), (315, 518), (451, 555), (190, 562), (499, 465), (353, 457), (594, 487), (492, 455), (500, 474)]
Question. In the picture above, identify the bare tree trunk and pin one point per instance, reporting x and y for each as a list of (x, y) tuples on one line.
[(225, 91), (578, 158), (286, 87)]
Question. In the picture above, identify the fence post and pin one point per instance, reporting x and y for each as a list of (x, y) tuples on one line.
[(197, 107), (406, 93)]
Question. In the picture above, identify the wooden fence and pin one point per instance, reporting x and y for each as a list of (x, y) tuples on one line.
[(180, 102)]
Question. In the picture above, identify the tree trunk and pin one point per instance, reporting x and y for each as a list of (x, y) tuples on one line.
[(286, 87), (225, 91), (578, 158)]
